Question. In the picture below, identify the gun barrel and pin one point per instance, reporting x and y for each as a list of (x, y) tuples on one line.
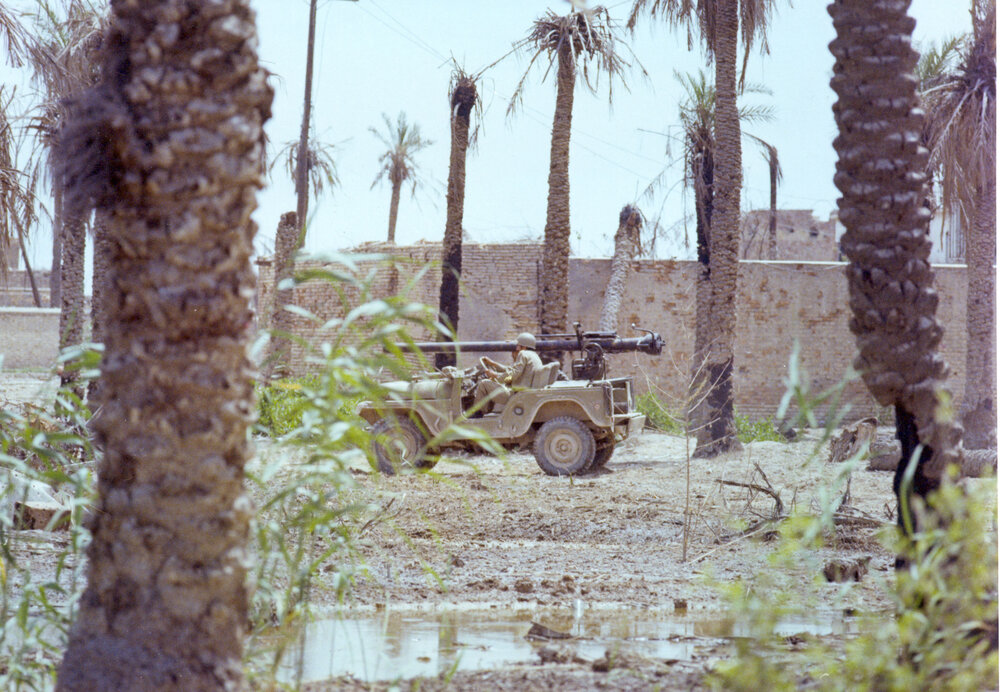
[(609, 343)]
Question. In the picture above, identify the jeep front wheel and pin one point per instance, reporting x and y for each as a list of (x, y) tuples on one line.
[(399, 444), (564, 446)]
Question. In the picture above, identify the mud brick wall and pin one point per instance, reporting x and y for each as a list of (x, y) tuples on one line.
[(777, 304), (15, 289), (29, 337), (498, 296)]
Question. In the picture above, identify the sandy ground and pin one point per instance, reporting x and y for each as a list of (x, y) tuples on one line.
[(482, 532), (502, 532)]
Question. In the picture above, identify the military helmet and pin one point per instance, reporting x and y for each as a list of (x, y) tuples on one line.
[(526, 339)]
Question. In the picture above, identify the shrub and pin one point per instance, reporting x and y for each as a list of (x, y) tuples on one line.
[(280, 404), (43, 449), (658, 415), (760, 430)]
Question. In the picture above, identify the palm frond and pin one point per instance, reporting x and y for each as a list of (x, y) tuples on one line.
[(594, 43), (14, 37), (321, 164), (960, 102), (463, 95), (403, 141)]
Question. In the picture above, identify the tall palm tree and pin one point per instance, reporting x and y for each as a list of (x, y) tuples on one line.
[(165, 604), (582, 36), (398, 164), (882, 177), (697, 117), (464, 99), (62, 48), (17, 193), (721, 24), (628, 244), (960, 101)]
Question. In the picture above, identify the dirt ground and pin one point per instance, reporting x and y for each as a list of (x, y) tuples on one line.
[(491, 533), (488, 533), (502, 532)]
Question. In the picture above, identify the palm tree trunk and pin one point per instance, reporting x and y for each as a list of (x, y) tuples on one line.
[(286, 241), (772, 217), (55, 276), (697, 408), (99, 287), (626, 248), (27, 264), (165, 605), (71, 315), (883, 187), (555, 257), (100, 292), (462, 101), (394, 210), (719, 433), (979, 410), (302, 158)]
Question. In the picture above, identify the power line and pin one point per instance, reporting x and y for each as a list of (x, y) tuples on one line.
[(423, 45), (428, 47)]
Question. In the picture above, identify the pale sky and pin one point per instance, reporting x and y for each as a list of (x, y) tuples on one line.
[(387, 56)]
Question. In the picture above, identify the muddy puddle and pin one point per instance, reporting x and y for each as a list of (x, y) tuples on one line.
[(392, 645)]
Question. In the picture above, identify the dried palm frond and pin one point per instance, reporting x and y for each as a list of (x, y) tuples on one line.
[(591, 36), (13, 33), (321, 167), (17, 187), (697, 18), (63, 50), (463, 96), (959, 95)]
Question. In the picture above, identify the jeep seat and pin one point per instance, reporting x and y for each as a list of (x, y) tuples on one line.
[(545, 376)]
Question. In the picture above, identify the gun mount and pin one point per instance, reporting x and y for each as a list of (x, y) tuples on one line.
[(592, 347)]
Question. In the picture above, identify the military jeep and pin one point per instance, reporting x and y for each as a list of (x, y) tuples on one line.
[(570, 424)]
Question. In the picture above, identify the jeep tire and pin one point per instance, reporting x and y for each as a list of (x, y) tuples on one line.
[(399, 444), (564, 446)]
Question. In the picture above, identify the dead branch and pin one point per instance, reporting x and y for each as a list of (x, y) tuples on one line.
[(380, 516), (854, 520), (779, 507)]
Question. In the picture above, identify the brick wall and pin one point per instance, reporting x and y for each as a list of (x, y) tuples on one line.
[(15, 289), (777, 303), (29, 337)]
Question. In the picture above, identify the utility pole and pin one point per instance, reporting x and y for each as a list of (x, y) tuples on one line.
[(302, 157)]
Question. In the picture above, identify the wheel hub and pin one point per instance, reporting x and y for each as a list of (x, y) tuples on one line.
[(564, 447)]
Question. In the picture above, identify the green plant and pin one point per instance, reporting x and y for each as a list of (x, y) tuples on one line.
[(311, 508), (44, 449), (942, 634), (280, 404), (760, 430), (658, 415)]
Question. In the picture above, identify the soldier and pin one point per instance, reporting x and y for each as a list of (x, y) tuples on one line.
[(498, 381)]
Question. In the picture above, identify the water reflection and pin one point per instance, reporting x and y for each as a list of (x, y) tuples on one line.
[(391, 645)]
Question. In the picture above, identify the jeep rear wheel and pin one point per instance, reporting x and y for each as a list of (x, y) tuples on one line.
[(564, 446), (399, 444)]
